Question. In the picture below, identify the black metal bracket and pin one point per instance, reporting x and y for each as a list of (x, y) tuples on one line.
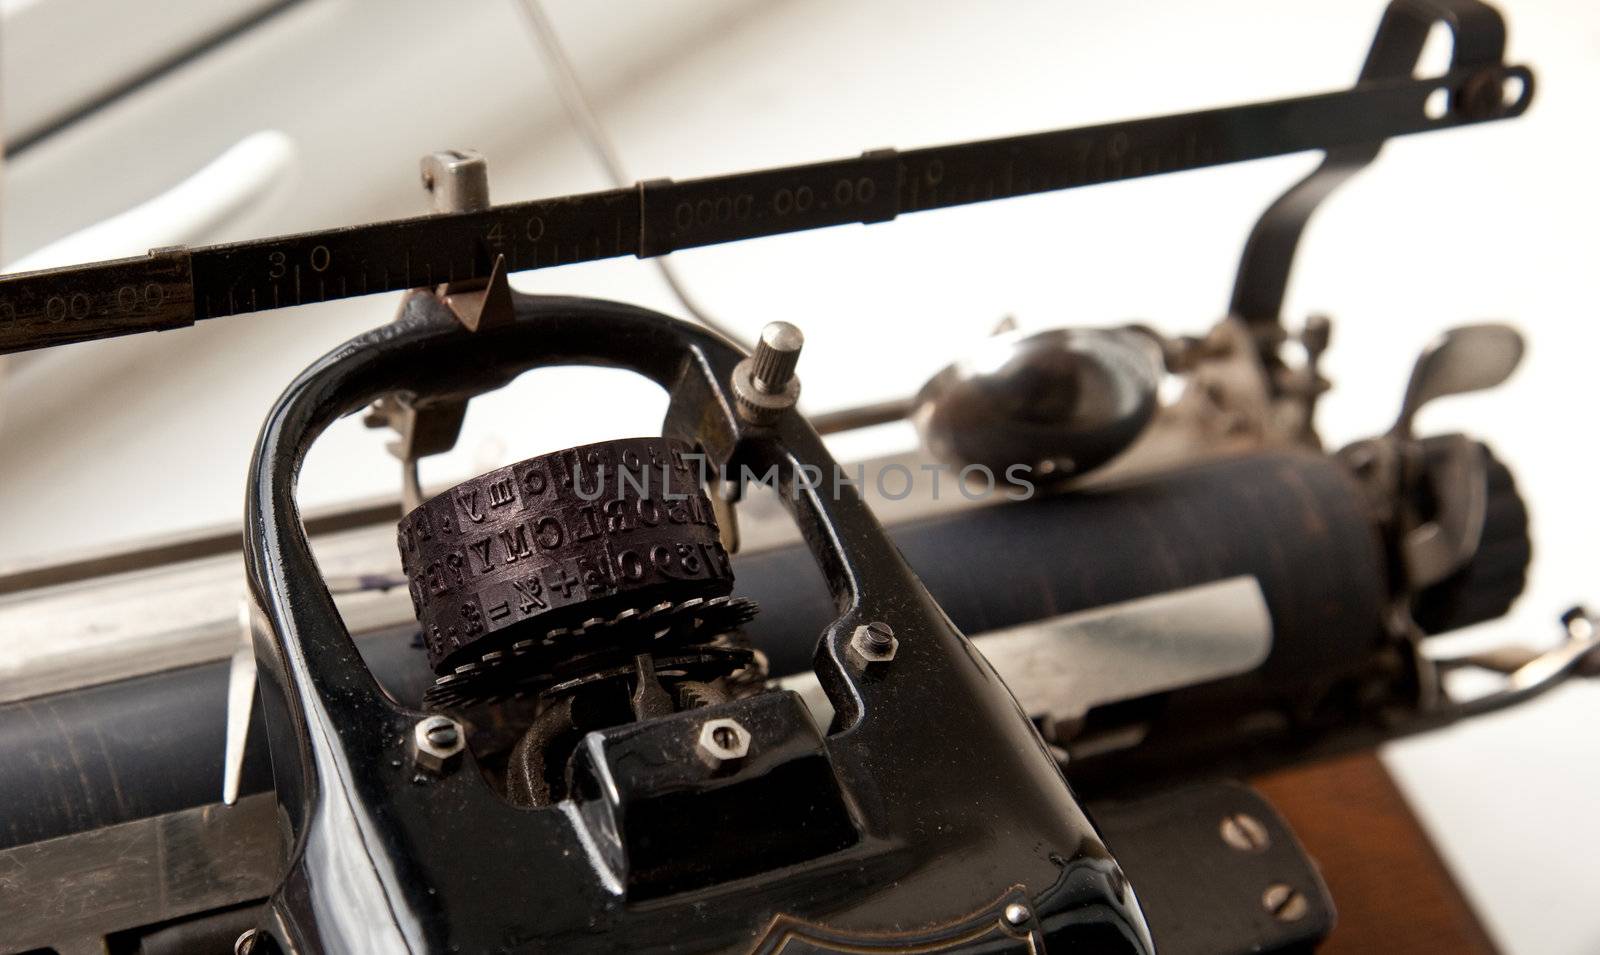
[(945, 822), (173, 288), (1477, 55), (1218, 871)]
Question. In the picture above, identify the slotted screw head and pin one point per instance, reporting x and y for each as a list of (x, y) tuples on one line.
[(723, 740), (436, 744), (1244, 832), (1285, 902), (874, 642)]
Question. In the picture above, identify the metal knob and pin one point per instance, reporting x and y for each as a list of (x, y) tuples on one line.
[(764, 385), (1062, 401), (777, 353)]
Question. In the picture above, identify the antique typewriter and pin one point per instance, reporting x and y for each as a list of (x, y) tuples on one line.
[(711, 689)]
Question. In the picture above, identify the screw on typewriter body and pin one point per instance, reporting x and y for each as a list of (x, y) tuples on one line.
[(1017, 914), (436, 744), (1482, 95), (1244, 832), (723, 741), (873, 643), (764, 385), (1286, 903)]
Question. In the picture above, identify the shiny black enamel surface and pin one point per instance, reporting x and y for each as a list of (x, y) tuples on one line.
[(963, 811)]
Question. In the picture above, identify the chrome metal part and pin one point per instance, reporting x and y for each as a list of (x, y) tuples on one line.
[(1454, 478), (874, 643), (241, 698), (1458, 483), (764, 385), (723, 741), (861, 416), (68, 893), (1128, 650), (457, 180), (420, 431), (1230, 385), (1061, 667), (1285, 902), (436, 744), (1060, 402), (1228, 404), (1464, 359), (1530, 673), (1299, 389), (1580, 647)]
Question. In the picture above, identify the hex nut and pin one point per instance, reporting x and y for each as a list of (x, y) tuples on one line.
[(436, 744), (874, 643), (723, 740)]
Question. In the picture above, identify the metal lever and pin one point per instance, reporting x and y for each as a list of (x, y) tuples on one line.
[(1464, 359), (1529, 674), (457, 180), (1479, 36)]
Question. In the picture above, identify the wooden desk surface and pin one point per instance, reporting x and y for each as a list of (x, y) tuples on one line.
[(1391, 889)]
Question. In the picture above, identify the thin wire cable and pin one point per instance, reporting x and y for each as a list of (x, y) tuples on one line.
[(580, 111)]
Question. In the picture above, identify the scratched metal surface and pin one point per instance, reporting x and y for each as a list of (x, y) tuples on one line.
[(143, 872), (1481, 223), (171, 288)]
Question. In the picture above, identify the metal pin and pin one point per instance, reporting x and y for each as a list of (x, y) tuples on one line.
[(241, 700)]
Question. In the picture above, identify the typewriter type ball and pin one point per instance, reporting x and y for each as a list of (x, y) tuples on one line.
[(1061, 402), (563, 570)]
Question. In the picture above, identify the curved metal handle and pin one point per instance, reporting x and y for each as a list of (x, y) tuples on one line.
[(373, 846), (1263, 276), (691, 363)]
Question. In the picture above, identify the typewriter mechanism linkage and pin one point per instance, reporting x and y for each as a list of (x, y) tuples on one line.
[(601, 717)]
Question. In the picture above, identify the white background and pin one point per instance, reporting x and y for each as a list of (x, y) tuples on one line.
[(1495, 222)]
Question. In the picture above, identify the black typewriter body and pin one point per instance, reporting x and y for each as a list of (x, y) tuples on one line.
[(611, 722)]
